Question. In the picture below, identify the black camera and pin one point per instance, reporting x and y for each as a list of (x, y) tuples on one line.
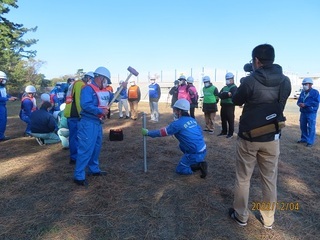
[(248, 67)]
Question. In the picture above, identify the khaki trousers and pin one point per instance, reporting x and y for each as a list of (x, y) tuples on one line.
[(266, 154), (209, 119), (134, 109)]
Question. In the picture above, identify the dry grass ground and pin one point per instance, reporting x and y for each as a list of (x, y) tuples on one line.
[(38, 199)]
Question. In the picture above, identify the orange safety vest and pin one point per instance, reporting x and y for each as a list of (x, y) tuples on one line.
[(133, 92), (103, 96), (109, 89), (33, 100)]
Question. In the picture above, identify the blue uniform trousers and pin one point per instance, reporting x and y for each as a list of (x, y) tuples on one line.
[(189, 159), (89, 146), (3, 120), (308, 127), (73, 137), (26, 119)]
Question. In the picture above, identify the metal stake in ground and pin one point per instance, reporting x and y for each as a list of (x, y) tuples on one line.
[(144, 124), (132, 72)]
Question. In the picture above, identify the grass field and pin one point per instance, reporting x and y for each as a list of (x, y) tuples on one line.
[(38, 199)]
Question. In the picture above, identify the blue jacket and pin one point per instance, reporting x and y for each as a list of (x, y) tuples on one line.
[(187, 131), (55, 103), (26, 108), (154, 92), (3, 96), (42, 122), (89, 103), (60, 93), (310, 99), (123, 94)]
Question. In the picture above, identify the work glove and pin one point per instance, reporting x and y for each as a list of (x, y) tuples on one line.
[(144, 131)]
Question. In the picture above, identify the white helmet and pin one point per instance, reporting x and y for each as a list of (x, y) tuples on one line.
[(45, 97), (3, 75), (152, 77), (190, 80), (182, 104), (182, 77), (30, 89), (307, 80), (206, 79), (103, 72), (90, 74), (229, 75)]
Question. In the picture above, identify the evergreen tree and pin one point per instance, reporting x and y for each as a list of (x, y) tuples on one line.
[(13, 48)]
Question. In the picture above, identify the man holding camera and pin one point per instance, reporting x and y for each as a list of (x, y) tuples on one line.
[(264, 94)]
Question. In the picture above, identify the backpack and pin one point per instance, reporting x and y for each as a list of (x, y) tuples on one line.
[(193, 96)]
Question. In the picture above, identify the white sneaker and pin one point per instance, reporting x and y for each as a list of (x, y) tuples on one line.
[(262, 221)]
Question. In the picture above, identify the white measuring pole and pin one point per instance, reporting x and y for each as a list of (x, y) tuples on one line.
[(144, 124)]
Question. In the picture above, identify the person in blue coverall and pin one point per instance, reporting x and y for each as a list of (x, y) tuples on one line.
[(308, 102), (4, 97), (72, 112), (94, 107), (57, 96), (189, 133), (28, 105)]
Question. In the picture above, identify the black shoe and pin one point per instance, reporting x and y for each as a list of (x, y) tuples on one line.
[(300, 141), (232, 214), (127, 117), (81, 182), (27, 135), (120, 117), (222, 134), (229, 136), (308, 145), (101, 173), (4, 139), (204, 169), (72, 161), (195, 167)]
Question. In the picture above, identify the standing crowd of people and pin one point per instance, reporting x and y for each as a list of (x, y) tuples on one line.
[(75, 118)]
